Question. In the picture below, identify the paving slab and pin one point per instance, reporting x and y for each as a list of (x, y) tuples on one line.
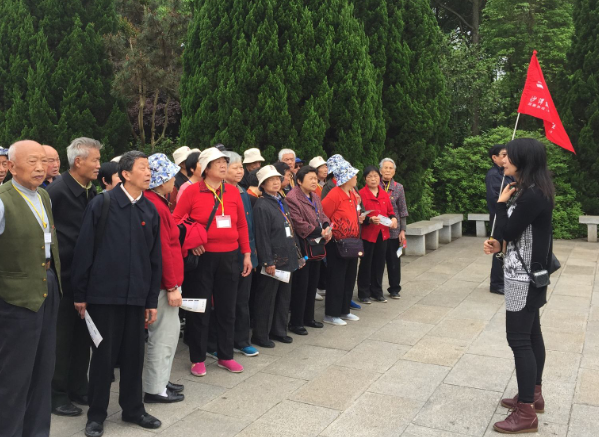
[(373, 356), (584, 421), (460, 329), (428, 314), (437, 350), (587, 389), (206, 423), (486, 373), (305, 362), (402, 332)]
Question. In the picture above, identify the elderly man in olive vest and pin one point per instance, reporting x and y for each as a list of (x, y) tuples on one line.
[(29, 294)]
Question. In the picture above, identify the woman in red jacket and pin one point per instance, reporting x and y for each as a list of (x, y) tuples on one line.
[(375, 233), (218, 207), (163, 335)]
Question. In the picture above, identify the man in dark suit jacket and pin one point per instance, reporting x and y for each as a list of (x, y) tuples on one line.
[(493, 182), (70, 195), (116, 278)]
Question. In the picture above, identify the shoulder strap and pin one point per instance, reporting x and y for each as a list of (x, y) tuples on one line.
[(214, 209), (102, 223)]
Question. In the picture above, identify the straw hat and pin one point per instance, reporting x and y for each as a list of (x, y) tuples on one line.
[(267, 172)]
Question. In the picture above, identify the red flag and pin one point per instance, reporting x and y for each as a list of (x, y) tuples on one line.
[(536, 101)]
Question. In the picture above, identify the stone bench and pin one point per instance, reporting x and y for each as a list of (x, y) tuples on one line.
[(480, 219), (591, 221), (452, 227), (421, 236)]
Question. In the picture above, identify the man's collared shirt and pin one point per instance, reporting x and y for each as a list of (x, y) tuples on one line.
[(130, 197)]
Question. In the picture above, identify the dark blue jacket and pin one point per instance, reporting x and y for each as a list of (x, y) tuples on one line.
[(249, 217), (493, 183), (127, 267)]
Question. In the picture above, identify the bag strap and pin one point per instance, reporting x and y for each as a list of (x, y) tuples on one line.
[(522, 262), (102, 223), (214, 210)]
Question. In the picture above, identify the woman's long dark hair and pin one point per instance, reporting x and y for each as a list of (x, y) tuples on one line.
[(530, 158)]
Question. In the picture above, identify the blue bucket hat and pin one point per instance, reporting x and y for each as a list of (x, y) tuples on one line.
[(343, 171), (333, 161), (163, 170), (3, 151)]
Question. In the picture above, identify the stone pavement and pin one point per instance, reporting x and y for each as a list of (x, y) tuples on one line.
[(434, 364)]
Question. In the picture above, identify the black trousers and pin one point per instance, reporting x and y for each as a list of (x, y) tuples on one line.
[(496, 266), (526, 340), (123, 338), (216, 277), (322, 279), (393, 265), (341, 278), (303, 291), (242, 317), (27, 353), (271, 307), (372, 267), (72, 354)]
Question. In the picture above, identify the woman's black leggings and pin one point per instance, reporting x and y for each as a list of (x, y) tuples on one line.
[(526, 340)]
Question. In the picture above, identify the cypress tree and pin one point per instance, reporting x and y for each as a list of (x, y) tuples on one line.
[(581, 117)]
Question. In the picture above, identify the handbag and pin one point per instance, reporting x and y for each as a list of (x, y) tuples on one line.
[(540, 278), (314, 250), (191, 261), (350, 247)]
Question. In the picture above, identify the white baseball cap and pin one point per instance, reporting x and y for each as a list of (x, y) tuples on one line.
[(317, 162), (181, 154), (252, 155), (209, 155), (267, 172)]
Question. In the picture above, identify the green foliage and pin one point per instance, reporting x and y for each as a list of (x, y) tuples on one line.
[(581, 117), (460, 179)]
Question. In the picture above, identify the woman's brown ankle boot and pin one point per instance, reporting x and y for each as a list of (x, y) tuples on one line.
[(539, 402), (521, 420)]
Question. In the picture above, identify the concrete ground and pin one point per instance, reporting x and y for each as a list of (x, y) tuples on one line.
[(435, 364)]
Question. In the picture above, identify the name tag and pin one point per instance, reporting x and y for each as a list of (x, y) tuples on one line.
[(47, 238), (223, 221), (287, 231)]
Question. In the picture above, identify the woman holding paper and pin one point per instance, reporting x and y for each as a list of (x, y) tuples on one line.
[(375, 233), (312, 227), (278, 256)]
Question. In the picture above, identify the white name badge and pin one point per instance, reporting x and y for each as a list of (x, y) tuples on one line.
[(47, 238), (223, 221), (287, 231)]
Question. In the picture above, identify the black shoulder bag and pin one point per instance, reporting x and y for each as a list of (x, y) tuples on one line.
[(351, 247), (540, 278), (191, 261)]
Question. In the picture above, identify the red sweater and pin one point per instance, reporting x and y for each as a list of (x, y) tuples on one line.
[(342, 210), (197, 202), (172, 259), (378, 205)]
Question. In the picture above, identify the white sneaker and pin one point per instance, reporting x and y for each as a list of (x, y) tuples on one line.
[(334, 321), (321, 292), (350, 316), (318, 297)]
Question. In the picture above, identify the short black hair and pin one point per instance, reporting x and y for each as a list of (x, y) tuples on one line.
[(106, 171), (303, 171), (496, 150), (281, 167), (370, 169), (253, 178), (191, 162), (128, 160)]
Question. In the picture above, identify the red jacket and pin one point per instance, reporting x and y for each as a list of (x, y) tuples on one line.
[(379, 205), (172, 259), (342, 210), (197, 202)]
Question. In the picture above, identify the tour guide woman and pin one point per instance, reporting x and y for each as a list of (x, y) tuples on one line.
[(277, 250), (524, 213), (310, 223), (342, 207), (217, 274)]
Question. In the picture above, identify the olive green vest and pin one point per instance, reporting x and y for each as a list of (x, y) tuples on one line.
[(22, 251)]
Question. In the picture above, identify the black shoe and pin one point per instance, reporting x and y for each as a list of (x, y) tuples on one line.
[(145, 421), (378, 299), (394, 295), (267, 343), (69, 410), (496, 290), (94, 429), (282, 338), (365, 300), (299, 330), (314, 324), (171, 396), (81, 400), (177, 388)]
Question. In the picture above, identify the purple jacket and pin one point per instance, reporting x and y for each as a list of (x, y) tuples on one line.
[(398, 200), (302, 212)]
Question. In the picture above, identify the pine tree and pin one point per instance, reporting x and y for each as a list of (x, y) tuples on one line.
[(582, 109)]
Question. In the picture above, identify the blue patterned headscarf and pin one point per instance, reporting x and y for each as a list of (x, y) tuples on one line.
[(163, 170)]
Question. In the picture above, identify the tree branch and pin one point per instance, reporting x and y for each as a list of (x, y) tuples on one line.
[(448, 9)]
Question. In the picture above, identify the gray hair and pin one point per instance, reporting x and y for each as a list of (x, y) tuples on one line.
[(387, 160), (234, 157), (79, 148), (286, 152), (11, 152)]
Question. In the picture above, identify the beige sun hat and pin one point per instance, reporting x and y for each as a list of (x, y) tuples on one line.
[(181, 154), (252, 155), (317, 162), (209, 155), (267, 172), (116, 159)]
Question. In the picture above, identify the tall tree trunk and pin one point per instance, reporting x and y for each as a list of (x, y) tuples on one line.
[(153, 125), (162, 135)]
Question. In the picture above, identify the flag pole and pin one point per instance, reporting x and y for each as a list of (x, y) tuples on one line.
[(503, 179)]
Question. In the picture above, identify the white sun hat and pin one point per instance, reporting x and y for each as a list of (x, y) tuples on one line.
[(267, 172), (209, 155), (317, 162), (181, 154), (252, 155)]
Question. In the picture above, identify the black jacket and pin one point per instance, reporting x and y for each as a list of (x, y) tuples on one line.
[(128, 265), (493, 184), (69, 200), (272, 243)]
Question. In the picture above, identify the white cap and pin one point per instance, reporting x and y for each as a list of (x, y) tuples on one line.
[(209, 155), (267, 172), (317, 162), (116, 159), (181, 154), (252, 155)]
